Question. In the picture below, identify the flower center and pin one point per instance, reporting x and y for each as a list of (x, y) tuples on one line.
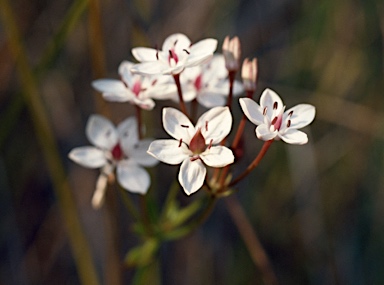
[(277, 117), (198, 82), (197, 144), (173, 58), (136, 88), (117, 152)]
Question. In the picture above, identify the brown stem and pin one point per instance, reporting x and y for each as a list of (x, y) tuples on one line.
[(251, 240), (231, 76), (176, 77), (138, 117), (254, 163)]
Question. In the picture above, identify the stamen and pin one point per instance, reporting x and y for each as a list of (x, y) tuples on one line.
[(265, 111), (157, 55), (185, 126), (186, 51), (175, 42), (274, 120), (206, 126), (180, 142), (275, 106), (195, 158), (170, 54), (210, 144), (290, 113), (288, 123)]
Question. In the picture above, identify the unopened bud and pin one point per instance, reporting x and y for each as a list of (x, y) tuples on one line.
[(249, 74), (232, 53)]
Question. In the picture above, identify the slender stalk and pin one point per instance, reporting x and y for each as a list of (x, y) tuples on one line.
[(130, 206), (194, 106), (176, 77), (231, 77), (96, 44), (138, 119), (253, 164), (77, 239), (251, 240)]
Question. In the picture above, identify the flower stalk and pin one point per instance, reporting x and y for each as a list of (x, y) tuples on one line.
[(183, 108)]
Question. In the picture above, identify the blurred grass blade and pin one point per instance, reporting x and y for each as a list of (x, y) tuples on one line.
[(78, 242), (55, 45)]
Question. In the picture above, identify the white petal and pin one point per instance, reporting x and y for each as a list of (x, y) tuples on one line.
[(128, 134), (144, 54), (211, 99), (303, 115), (88, 156), (268, 98), (264, 133), (294, 136), (133, 177), (169, 151), (196, 59), (206, 46), (252, 110), (118, 97), (109, 86), (181, 40), (238, 88), (192, 175), (215, 124), (101, 132), (99, 194), (177, 125), (146, 104), (218, 156), (152, 67), (125, 72), (139, 153)]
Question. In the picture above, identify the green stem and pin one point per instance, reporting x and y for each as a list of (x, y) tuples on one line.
[(77, 239), (130, 206)]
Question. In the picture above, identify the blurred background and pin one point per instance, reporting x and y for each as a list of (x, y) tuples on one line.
[(317, 209)]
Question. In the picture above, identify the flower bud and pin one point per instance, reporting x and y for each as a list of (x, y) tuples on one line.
[(232, 52), (249, 74)]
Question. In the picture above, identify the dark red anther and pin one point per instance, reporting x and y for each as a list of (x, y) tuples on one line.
[(265, 111), (288, 123), (275, 106), (180, 142), (186, 51), (185, 126), (274, 121), (210, 144), (290, 113), (206, 126)]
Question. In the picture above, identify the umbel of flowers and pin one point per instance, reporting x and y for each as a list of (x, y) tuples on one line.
[(182, 73)]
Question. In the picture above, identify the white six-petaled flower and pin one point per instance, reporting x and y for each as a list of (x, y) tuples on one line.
[(194, 146), (273, 122), (209, 83), (177, 53), (134, 88), (118, 148)]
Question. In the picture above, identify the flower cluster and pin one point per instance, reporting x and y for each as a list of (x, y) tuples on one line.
[(184, 72)]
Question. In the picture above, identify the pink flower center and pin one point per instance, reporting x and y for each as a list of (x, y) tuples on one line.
[(198, 82), (117, 152), (173, 55), (136, 88)]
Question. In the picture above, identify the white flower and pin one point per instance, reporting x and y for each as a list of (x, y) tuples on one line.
[(193, 146), (209, 83), (115, 147), (133, 88), (273, 123), (177, 53)]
